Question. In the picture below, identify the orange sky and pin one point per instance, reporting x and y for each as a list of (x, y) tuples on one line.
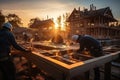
[(27, 9), (26, 15)]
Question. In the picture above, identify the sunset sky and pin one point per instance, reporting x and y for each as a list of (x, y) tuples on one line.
[(27, 9)]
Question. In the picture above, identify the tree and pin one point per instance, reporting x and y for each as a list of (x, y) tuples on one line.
[(14, 19), (2, 19), (59, 19), (34, 22)]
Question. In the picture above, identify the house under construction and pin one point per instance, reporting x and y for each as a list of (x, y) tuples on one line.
[(99, 23)]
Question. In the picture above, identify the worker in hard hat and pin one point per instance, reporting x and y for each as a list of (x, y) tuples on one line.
[(91, 45), (6, 41)]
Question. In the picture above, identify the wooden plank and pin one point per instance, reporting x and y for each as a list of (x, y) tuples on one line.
[(62, 71), (50, 69)]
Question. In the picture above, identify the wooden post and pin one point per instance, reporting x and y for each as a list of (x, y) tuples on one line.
[(1, 76), (87, 75), (107, 69), (30, 69)]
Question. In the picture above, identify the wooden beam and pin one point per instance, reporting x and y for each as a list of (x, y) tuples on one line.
[(107, 74)]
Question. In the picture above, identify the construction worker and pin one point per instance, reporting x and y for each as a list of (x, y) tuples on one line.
[(91, 45), (57, 39), (25, 37), (6, 41)]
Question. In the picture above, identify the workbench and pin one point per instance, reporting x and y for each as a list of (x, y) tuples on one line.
[(65, 69)]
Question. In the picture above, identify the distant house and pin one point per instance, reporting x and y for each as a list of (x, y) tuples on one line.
[(45, 28), (95, 22), (42, 24)]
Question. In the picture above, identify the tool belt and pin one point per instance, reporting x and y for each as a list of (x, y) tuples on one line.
[(4, 58)]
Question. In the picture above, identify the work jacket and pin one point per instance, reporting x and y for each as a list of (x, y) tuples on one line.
[(6, 41), (90, 44)]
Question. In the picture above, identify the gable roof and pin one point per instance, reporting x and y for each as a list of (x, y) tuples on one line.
[(105, 12), (41, 24)]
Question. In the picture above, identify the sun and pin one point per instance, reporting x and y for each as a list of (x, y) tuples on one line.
[(56, 24), (61, 26)]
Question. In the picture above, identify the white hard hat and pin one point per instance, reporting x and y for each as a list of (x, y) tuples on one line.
[(75, 37), (7, 25)]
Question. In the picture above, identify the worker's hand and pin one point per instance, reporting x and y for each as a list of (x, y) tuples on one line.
[(28, 50)]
